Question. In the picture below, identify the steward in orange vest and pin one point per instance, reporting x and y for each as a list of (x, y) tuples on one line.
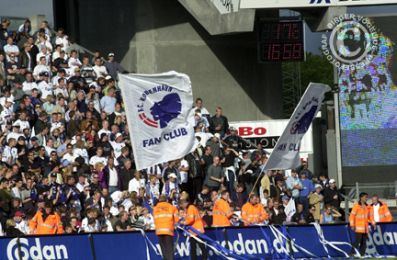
[(253, 212), (379, 211), (46, 222), (193, 219), (221, 212), (165, 217), (359, 219)]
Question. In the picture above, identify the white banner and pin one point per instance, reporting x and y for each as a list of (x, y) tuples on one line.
[(290, 209), (309, 3), (286, 153), (268, 132), (160, 117)]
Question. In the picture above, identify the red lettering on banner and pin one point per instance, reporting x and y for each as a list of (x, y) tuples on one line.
[(260, 131), (245, 131)]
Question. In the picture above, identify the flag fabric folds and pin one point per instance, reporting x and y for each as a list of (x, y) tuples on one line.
[(286, 152), (159, 115)]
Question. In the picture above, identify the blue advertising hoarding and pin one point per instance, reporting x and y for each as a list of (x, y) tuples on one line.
[(267, 242)]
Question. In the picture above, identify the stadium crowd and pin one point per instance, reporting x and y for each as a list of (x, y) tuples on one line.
[(67, 163)]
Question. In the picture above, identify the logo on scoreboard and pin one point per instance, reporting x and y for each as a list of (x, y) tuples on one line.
[(353, 41)]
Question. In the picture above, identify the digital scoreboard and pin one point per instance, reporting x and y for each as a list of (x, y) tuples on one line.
[(281, 41)]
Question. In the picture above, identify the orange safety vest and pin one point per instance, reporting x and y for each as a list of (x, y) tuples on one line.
[(51, 225), (193, 218), (221, 213), (253, 214), (384, 212), (359, 218), (165, 216)]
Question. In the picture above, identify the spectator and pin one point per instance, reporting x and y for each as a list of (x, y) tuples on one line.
[(215, 175), (315, 200), (113, 67), (302, 216), (332, 195), (219, 123)]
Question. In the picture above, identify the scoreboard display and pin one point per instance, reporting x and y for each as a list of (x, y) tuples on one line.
[(281, 41)]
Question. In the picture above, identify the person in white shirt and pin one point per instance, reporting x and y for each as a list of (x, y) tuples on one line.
[(69, 155), (7, 110), (62, 39), (113, 176), (80, 150), (11, 48), (61, 88), (40, 68), (10, 152), (44, 53), (73, 62), (49, 147), (20, 223), (136, 183), (17, 189), (82, 183), (44, 86), (117, 145), (15, 134), (99, 68), (43, 41), (104, 129), (203, 110), (22, 122), (183, 172), (29, 83), (98, 157)]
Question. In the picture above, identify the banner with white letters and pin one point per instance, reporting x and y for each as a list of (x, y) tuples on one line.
[(159, 115), (285, 154)]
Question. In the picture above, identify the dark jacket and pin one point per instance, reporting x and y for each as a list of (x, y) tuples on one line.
[(106, 173), (278, 219)]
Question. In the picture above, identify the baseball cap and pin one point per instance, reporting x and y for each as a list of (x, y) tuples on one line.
[(172, 175), (53, 174), (111, 54), (19, 214), (318, 186), (285, 197), (217, 135), (332, 181), (118, 135)]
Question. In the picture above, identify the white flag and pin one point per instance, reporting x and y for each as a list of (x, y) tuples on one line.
[(159, 115), (285, 154), (290, 209)]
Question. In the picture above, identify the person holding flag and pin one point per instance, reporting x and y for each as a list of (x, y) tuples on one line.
[(165, 218), (253, 212), (194, 220)]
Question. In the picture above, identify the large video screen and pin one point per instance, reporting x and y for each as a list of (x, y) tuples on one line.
[(368, 106)]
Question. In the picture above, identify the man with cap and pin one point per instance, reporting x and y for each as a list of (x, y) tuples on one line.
[(233, 140), (113, 67), (165, 218), (46, 221), (118, 144), (193, 219), (332, 195), (20, 223), (44, 86), (315, 200), (171, 186)]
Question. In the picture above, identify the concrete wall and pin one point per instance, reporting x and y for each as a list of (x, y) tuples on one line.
[(27, 8), (154, 36)]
